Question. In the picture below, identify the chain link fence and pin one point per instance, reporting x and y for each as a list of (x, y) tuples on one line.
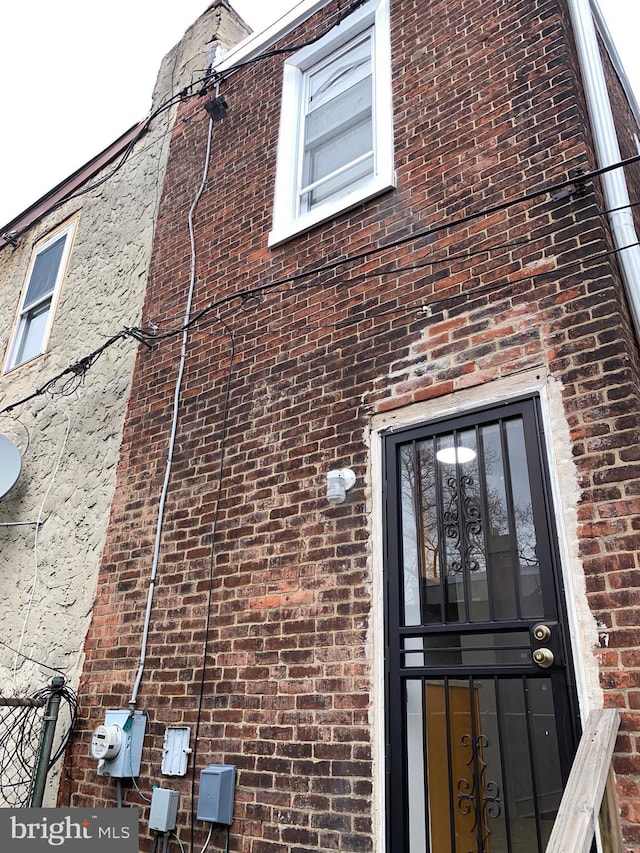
[(21, 721), (27, 731)]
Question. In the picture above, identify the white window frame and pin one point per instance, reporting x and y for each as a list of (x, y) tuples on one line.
[(289, 218), (45, 303)]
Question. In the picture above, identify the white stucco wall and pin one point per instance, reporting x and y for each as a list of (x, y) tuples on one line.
[(70, 440)]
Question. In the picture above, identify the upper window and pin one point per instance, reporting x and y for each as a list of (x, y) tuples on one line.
[(35, 316), (336, 143)]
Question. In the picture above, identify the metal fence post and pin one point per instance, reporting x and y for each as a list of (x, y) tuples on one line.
[(46, 741)]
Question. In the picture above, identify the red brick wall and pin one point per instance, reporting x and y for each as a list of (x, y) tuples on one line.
[(486, 110)]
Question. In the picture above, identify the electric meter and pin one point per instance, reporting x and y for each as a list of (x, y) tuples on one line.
[(106, 742), (117, 744)]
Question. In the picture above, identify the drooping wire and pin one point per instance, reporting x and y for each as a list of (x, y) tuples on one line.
[(287, 49), (405, 239), (15, 418), (36, 567), (20, 730), (224, 433), (32, 660), (146, 335), (78, 369)]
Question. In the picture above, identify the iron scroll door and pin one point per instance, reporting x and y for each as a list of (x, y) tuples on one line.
[(481, 714)]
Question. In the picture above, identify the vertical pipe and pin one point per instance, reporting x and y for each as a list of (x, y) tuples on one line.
[(46, 741), (608, 151)]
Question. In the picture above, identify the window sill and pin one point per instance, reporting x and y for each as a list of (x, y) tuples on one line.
[(287, 230), (8, 369)]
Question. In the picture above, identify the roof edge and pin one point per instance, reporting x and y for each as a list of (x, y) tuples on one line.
[(62, 191), (614, 56)]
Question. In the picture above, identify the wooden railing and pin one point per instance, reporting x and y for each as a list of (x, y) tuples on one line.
[(590, 792)]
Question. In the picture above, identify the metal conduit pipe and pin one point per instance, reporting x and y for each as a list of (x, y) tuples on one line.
[(614, 183)]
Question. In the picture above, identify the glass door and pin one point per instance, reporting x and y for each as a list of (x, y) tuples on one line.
[(481, 714)]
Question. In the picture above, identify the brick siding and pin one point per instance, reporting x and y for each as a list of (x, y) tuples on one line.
[(487, 108)]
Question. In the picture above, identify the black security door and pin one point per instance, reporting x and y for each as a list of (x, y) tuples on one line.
[(480, 713)]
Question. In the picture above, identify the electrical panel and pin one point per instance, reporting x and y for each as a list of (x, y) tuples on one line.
[(215, 800), (164, 810), (118, 743), (175, 752)]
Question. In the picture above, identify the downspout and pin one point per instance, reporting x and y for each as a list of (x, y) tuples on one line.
[(607, 149)]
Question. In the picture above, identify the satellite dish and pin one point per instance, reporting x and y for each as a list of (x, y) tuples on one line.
[(10, 465)]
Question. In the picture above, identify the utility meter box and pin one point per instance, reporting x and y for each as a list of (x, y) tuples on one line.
[(176, 750), (164, 810), (215, 800), (118, 743)]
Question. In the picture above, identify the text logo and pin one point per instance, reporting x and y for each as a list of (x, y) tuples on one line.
[(69, 830)]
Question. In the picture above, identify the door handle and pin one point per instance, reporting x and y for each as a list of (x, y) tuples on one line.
[(542, 633), (544, 658)]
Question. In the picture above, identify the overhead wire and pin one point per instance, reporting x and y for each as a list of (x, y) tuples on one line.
[(36, 566), (405, 239), (21, 730), (150, 334), (287, 49), (224, 432), (79, 368), (33, 660)]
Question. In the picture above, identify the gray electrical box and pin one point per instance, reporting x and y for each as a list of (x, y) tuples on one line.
[(215, 800), (118, 743), (164, 810)]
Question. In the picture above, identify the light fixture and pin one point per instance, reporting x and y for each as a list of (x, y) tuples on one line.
[(338, 484), (455, 455)]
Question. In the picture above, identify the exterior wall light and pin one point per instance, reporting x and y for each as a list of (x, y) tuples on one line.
[(338, 484)]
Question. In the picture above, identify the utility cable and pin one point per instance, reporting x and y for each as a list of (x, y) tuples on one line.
[(174, 424), (206, 843), (19, 732), (79, 368), (424, 311), (394, 244), (224, 431), (144, 336), (293, 48), (33, 660), (34, 581)]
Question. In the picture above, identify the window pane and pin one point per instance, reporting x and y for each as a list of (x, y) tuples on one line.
[(525, 532), (340, 73), (412, 579), (510, 648), (45, 272), (31, 332), (345, 179), (416, 767), (469, 541), (500, 539), (339, 125)]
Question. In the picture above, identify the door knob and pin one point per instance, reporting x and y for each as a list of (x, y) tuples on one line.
[(542, 633), (544, 658)]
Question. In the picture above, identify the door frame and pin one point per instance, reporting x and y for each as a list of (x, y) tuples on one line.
[(564, 494)]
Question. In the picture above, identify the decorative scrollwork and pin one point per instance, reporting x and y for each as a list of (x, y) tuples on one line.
[(490, 805), (462, 523), (466, 796)]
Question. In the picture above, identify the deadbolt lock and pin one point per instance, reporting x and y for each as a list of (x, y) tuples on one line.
[(543, 657), (542, 633)]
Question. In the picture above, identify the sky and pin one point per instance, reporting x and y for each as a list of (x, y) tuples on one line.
[(76, 74)]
